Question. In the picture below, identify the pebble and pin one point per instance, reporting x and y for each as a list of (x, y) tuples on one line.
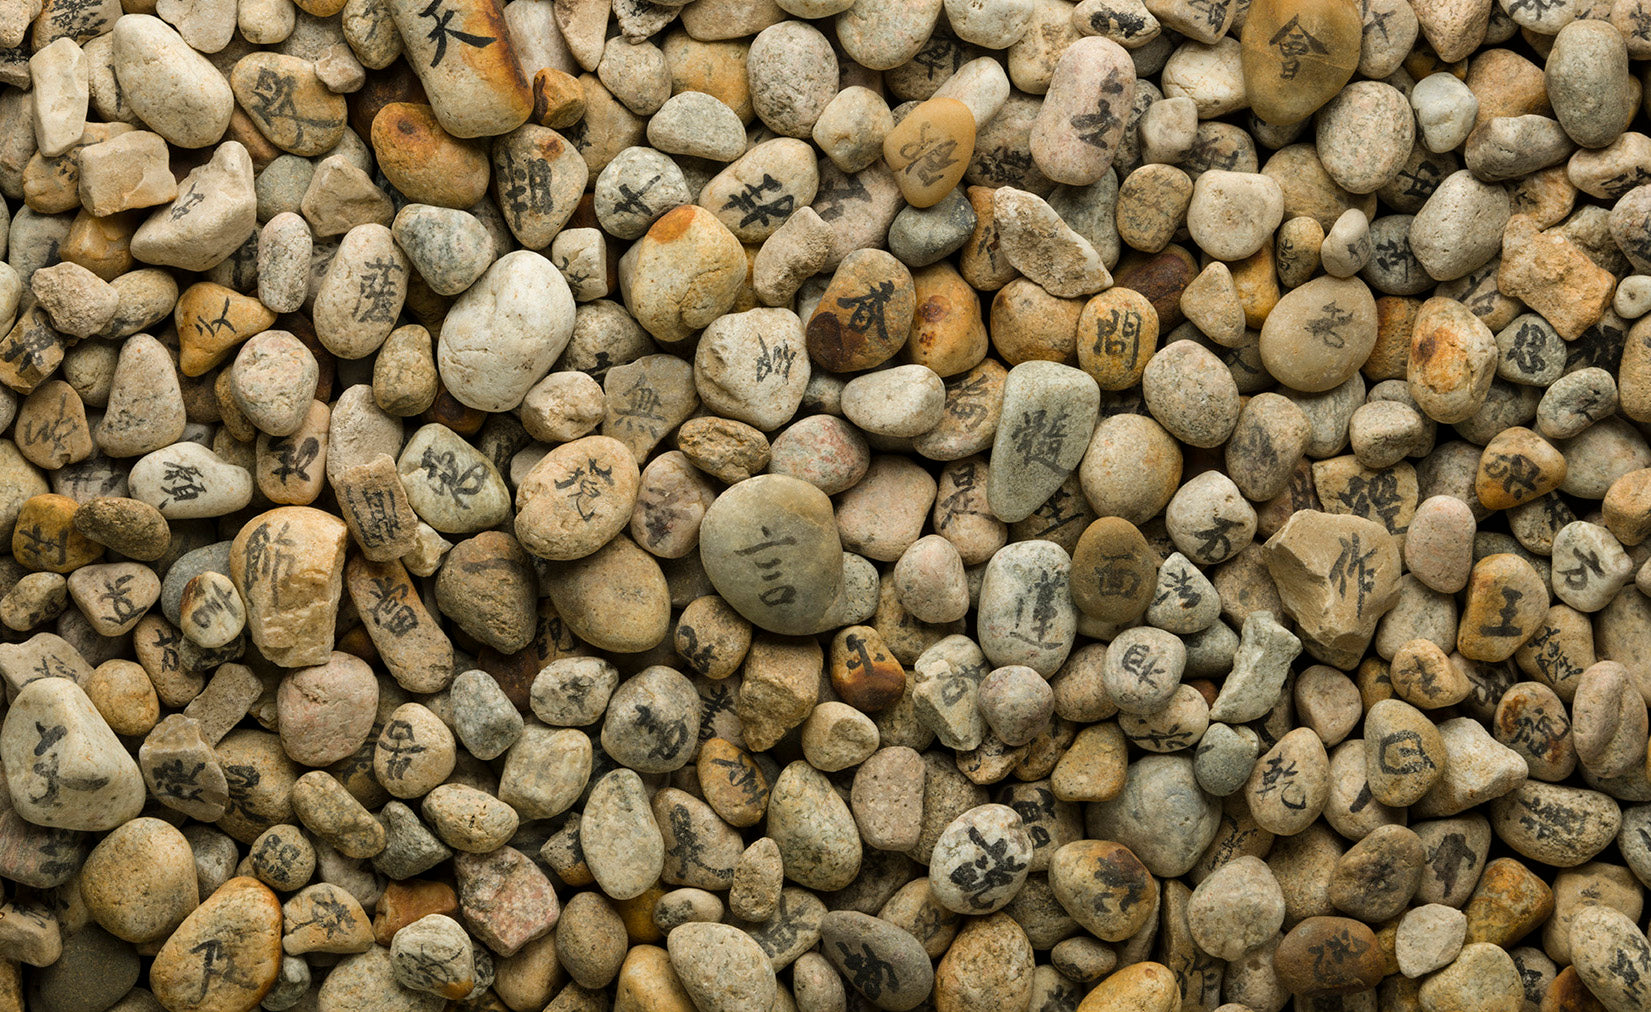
[(721, 968), (1048, 408), (138, 883), (855, 942), (1236, 909), (1034, 239), (168, 84), (1081, 122), (1429, 937), (988, 965), (620, 837), (1326, 956), (1614, 981), (434, 954), (1297, 56), (980, 861), (1161, 815), (241, 924), (773, 553), (505, 899), (67, 769)]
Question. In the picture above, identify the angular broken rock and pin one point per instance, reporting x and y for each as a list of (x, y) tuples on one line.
[(1337, 576), (64, 766), (288, 565)]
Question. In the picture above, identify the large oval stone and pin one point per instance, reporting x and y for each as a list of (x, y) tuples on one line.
[(505, 331), (1297, 54), (770, 548), (225, 956)]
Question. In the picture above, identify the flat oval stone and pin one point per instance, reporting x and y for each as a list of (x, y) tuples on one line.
[(793, 71), (1506, 599), (423, 161), (1557, 825), (1403, 753), (881, 961), (755, 194), (652, 721), (187, 481), (989, 965), (865, 314), (1584, 74), (1517, 467), (1237, 909), (1612, 956), (1082, 121), (288, 564), (1191, 394), (449, 484), (619, 836), (735, 786), (1325, 956), (701, 851), (1142, 669), (1049, 413), (469, 820), (615, 599), (226, 955), (721, 968), (1114, 571), (1297, 54), (770, 548), (114, 596), (753, 366), (260, 778), (169, 85), (505, 331), (1026, 611), (450, 249), (288, 103), (1290, 783), (687, 272), (573, 691), (545, 771), (1162, 815), (813, 828), (434, 954), (540, 175), (326, 712), (1452, 361), (273, 381), (1531, 720), (930, 149), (1376, 878), (981, 860), (1104, 887), (414, 752), (139, 881), (576, 498), (1320, 333)]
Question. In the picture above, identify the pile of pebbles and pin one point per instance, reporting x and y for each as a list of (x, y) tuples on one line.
[(819, 505)]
